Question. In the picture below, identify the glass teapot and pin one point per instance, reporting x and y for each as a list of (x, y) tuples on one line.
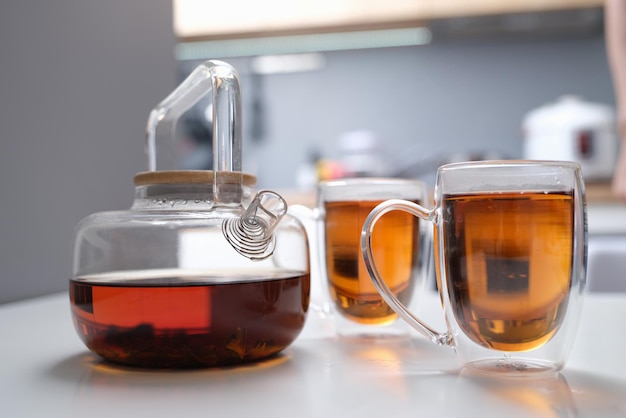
[(198, 272)]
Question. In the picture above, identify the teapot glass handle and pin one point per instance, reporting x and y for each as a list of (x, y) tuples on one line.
[(221, 79), (366, 248), (310, 218)]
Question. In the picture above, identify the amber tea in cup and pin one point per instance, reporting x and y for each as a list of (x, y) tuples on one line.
[(508, 290), (395, 243)]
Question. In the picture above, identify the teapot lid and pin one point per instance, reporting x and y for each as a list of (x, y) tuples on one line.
[(146, 178)]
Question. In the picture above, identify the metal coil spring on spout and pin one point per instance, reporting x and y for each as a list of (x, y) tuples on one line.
[(248, 237), (252, 234)]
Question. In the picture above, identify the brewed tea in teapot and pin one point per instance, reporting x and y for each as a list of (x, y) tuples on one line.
[(199, 271)]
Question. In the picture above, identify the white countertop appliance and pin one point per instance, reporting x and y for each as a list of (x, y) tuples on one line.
[(575, 130)]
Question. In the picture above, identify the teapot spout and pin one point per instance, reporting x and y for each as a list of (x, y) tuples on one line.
[(252, 234)]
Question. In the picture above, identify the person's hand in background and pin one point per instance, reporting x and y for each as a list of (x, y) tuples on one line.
[(615, 35)]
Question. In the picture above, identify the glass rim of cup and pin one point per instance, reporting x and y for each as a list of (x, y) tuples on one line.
[(371, 189), (357, 181), (512, 163)]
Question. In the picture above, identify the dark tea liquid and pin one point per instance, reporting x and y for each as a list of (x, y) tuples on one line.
[(188, 321), (509, 263), (395, 242)]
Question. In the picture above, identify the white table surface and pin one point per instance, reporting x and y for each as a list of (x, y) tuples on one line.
[(46, 371)]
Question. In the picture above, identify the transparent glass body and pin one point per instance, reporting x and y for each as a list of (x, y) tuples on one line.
[(199, 271)]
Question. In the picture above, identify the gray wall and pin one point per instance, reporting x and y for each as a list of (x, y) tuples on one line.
[(77, 81), (425, 101)]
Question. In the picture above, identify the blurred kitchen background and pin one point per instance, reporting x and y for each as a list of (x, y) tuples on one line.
[(413, 83)]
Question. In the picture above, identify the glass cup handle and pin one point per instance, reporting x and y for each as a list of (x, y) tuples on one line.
[(366, 248), (309, 219)]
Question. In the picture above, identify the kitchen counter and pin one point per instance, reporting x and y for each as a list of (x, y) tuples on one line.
[(46, 371), (599, 192), (606, 219)]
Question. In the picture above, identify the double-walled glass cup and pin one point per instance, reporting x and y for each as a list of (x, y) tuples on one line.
[(510, 252), (400, 243)]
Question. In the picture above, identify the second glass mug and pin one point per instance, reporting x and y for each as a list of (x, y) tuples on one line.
[(510, 253), (402, 245)]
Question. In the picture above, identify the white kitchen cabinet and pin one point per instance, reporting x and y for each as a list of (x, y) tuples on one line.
[(199, 19)]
